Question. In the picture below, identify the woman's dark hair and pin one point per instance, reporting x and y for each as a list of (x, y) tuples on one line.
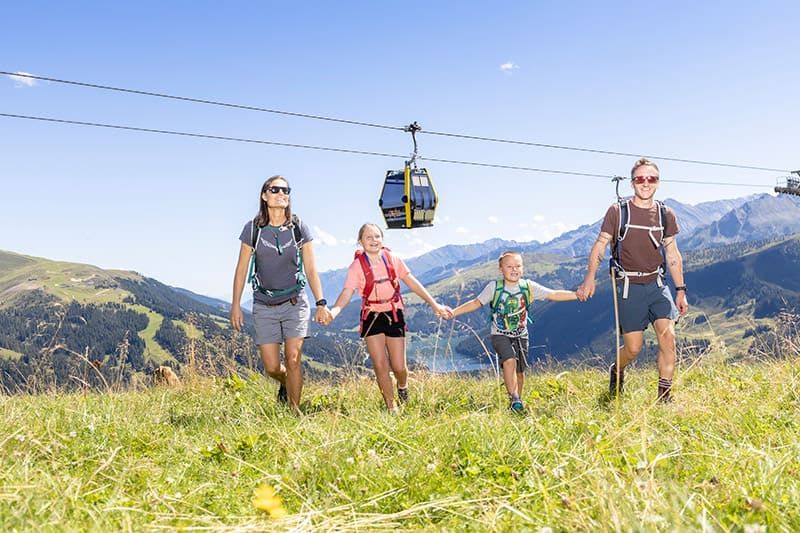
[(263, 211)]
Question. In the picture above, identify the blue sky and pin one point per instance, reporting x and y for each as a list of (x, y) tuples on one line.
[(701, 80)]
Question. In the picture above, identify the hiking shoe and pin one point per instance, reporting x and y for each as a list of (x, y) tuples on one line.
[(612, 380), (283, 395), (402, 394), (517, 406), (664, 394)]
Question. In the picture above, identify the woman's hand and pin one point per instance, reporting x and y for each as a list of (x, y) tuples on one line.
[(324, 316), (237, 318)]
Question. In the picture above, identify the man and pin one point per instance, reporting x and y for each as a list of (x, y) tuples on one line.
[(639, 230)]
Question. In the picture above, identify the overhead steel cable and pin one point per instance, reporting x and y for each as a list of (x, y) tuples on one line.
[(603, 152), (202, 101), (396, 128), (345, 150)]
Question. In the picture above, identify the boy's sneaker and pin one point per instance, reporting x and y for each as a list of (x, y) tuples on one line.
[(612, 380), (517, 406), (402, 394), (283, 395)]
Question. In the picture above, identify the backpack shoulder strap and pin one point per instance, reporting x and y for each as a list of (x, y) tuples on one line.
[(254, 234), (369, 277), (296, 233), (624, 219), (388, 260), (662, 217), (527, 292), (499, 286)]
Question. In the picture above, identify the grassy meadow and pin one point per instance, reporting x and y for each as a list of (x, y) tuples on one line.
[(724, 456)]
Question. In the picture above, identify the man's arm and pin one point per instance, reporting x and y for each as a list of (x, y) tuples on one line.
[(596, 256), (675, 267)]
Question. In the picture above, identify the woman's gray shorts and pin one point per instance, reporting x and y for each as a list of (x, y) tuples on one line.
[(276, 323), (644, 305)]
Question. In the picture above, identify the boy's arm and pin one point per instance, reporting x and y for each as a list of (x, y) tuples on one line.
[(562, 296), (468, 307)]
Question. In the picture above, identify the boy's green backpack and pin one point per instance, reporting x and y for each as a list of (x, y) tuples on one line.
[(498, 308)]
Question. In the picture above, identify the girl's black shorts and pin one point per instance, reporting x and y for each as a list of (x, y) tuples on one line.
[(382, 323)]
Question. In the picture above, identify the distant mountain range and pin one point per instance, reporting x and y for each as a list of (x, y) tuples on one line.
[(741, 267), (754, 215)]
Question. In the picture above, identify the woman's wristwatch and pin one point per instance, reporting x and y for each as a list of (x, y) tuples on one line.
[(681, 288), (322, 302)]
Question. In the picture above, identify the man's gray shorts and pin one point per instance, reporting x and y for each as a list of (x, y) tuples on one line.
[(511, 348), (644, 304), (276, 323)]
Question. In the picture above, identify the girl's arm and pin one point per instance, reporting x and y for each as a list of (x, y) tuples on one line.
[(562, 296), (237, 318), (467, 307), (417, 288), (341, 302)]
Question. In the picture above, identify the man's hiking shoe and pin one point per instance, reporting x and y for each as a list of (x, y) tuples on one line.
[(283, 395), (612, 380), (517, 406), (402, 394)]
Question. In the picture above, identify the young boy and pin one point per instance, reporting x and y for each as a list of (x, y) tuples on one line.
[(509, 299)]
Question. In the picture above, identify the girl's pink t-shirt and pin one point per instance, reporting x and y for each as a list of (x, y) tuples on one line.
[(381, 291)]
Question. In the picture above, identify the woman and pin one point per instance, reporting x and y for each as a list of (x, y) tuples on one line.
[(280, 246), (376, 274)]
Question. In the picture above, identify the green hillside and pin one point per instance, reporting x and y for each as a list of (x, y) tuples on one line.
[(64, 315), (723, 457)]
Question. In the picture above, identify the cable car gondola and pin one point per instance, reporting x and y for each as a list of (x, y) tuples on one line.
[(408, 199), (792, 185)]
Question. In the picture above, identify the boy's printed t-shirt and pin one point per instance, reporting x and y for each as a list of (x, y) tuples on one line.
[(511, 317), (381, 291)]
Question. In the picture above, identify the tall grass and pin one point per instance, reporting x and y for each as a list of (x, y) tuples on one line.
[(723, 456)]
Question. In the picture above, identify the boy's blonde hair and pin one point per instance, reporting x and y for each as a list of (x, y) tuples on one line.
[(508, 253)]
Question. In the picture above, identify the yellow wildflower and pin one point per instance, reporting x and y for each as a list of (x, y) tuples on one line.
[(266, 499)]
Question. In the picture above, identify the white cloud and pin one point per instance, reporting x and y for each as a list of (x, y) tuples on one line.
[(538, 218), (462, 229), (509, 67), (493, 219), (551, 231), (323, 237), (524, 225), (22, 81)]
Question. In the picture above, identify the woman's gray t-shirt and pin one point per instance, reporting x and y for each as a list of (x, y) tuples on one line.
[(276, 256)]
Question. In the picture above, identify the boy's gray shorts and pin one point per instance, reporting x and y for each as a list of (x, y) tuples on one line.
[(276, 323), (511, 348), (644, 304)]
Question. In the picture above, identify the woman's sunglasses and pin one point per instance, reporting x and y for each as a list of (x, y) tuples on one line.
[(274, 189), (638, 180)]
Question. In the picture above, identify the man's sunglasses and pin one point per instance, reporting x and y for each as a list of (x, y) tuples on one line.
[(638, 180), (274, 189)]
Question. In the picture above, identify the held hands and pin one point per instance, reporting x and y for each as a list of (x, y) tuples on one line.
[(586, 290), (324, 315), (443, 311)]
